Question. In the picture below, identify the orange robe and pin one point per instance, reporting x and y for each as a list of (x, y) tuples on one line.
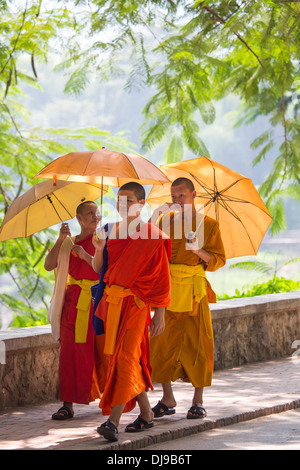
[(185, 350), (79, 381), (137, 277)]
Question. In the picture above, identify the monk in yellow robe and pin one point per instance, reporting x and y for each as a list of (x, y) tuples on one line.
[(136, 278), (185, 350)]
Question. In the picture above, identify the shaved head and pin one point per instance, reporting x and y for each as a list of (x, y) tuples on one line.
[(188, 183)]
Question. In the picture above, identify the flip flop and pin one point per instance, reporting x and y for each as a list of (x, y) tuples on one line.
[(139, 425), (63, 413), (198, 412), (108, 430), (160, 409)]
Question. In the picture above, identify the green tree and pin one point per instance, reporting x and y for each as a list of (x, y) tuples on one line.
[(28, 36), (195, 53)]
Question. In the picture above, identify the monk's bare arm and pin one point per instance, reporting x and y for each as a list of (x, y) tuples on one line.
[(163, 209), (82, 254), (203, 254), (157, 324), (97, 260), (52, 256)]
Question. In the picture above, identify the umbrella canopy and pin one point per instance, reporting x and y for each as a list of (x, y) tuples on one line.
[(45, 205), (103, 166), (227, 196)]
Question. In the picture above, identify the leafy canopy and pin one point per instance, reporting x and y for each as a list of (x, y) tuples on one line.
[(29, 33), (194, 53)]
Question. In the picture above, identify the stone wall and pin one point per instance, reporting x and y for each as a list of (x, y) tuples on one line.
[(245, 330), (255, 328), (29, 374)]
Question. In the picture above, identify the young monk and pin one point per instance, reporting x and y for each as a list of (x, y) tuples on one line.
[(137, 277), (70, 313), (185, 350)]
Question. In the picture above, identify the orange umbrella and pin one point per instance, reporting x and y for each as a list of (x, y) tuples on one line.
[(227, 196), (103, 166)]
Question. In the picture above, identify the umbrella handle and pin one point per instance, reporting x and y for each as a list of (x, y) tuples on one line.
[(191, 242)]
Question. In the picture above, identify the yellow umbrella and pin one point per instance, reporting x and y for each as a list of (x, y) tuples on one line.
[(103, 166), (227, 196), (44, 205)]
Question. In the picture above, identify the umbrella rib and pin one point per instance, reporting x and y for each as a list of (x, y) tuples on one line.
[(226, 207), (131, 164), (236, 199), (49, 198), (230, 210), (232, 199), (228, 198), (206, 188), (87, 164), (26, 224), (232, 184)]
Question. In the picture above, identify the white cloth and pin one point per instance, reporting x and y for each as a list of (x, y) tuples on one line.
[(58, 297)]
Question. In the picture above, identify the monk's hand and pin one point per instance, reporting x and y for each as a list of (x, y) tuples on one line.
[(99, 239), (203, 254), (79, 251), (64, 231), (157, 324), (163, 209)]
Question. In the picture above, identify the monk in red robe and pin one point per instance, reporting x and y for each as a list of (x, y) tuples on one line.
[(70, 313), (137, 277)]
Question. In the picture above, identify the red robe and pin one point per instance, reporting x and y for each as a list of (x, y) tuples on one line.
[(141, 265), (77, 379)]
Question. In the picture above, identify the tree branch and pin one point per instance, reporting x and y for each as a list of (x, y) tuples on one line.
[(285, 134), (222, 21), (17, 39)]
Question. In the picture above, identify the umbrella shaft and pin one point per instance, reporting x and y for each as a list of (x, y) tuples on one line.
[(51, 202)]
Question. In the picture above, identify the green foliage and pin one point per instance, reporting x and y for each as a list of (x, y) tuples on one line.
[(190, 54), (27, 37), (275, 285), (194, 53)]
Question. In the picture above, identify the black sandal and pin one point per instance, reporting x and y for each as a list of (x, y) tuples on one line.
[(63, 413), (160, 409), (197, 411), (108, 430), (139, 425)]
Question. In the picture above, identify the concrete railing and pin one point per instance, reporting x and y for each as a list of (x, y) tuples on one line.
[(245, 330)]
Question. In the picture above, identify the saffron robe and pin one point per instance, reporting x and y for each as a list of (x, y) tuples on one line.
[(137, 277), (79, 380), (185, 350)]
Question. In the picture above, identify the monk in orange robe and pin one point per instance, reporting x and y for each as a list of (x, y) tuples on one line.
[(136, 279), (70, 313), (185, 350)]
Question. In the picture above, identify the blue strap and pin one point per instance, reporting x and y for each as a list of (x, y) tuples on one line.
[(98, 289)]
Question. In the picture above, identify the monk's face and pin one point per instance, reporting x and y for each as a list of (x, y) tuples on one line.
[(89, 217), (182, 195), (128, 205)]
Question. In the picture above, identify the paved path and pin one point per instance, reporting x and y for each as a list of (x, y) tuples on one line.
[(237, 395), (280, 431)]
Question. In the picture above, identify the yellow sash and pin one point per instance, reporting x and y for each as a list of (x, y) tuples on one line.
[(83, 307), (188, 283), (115, 295)]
